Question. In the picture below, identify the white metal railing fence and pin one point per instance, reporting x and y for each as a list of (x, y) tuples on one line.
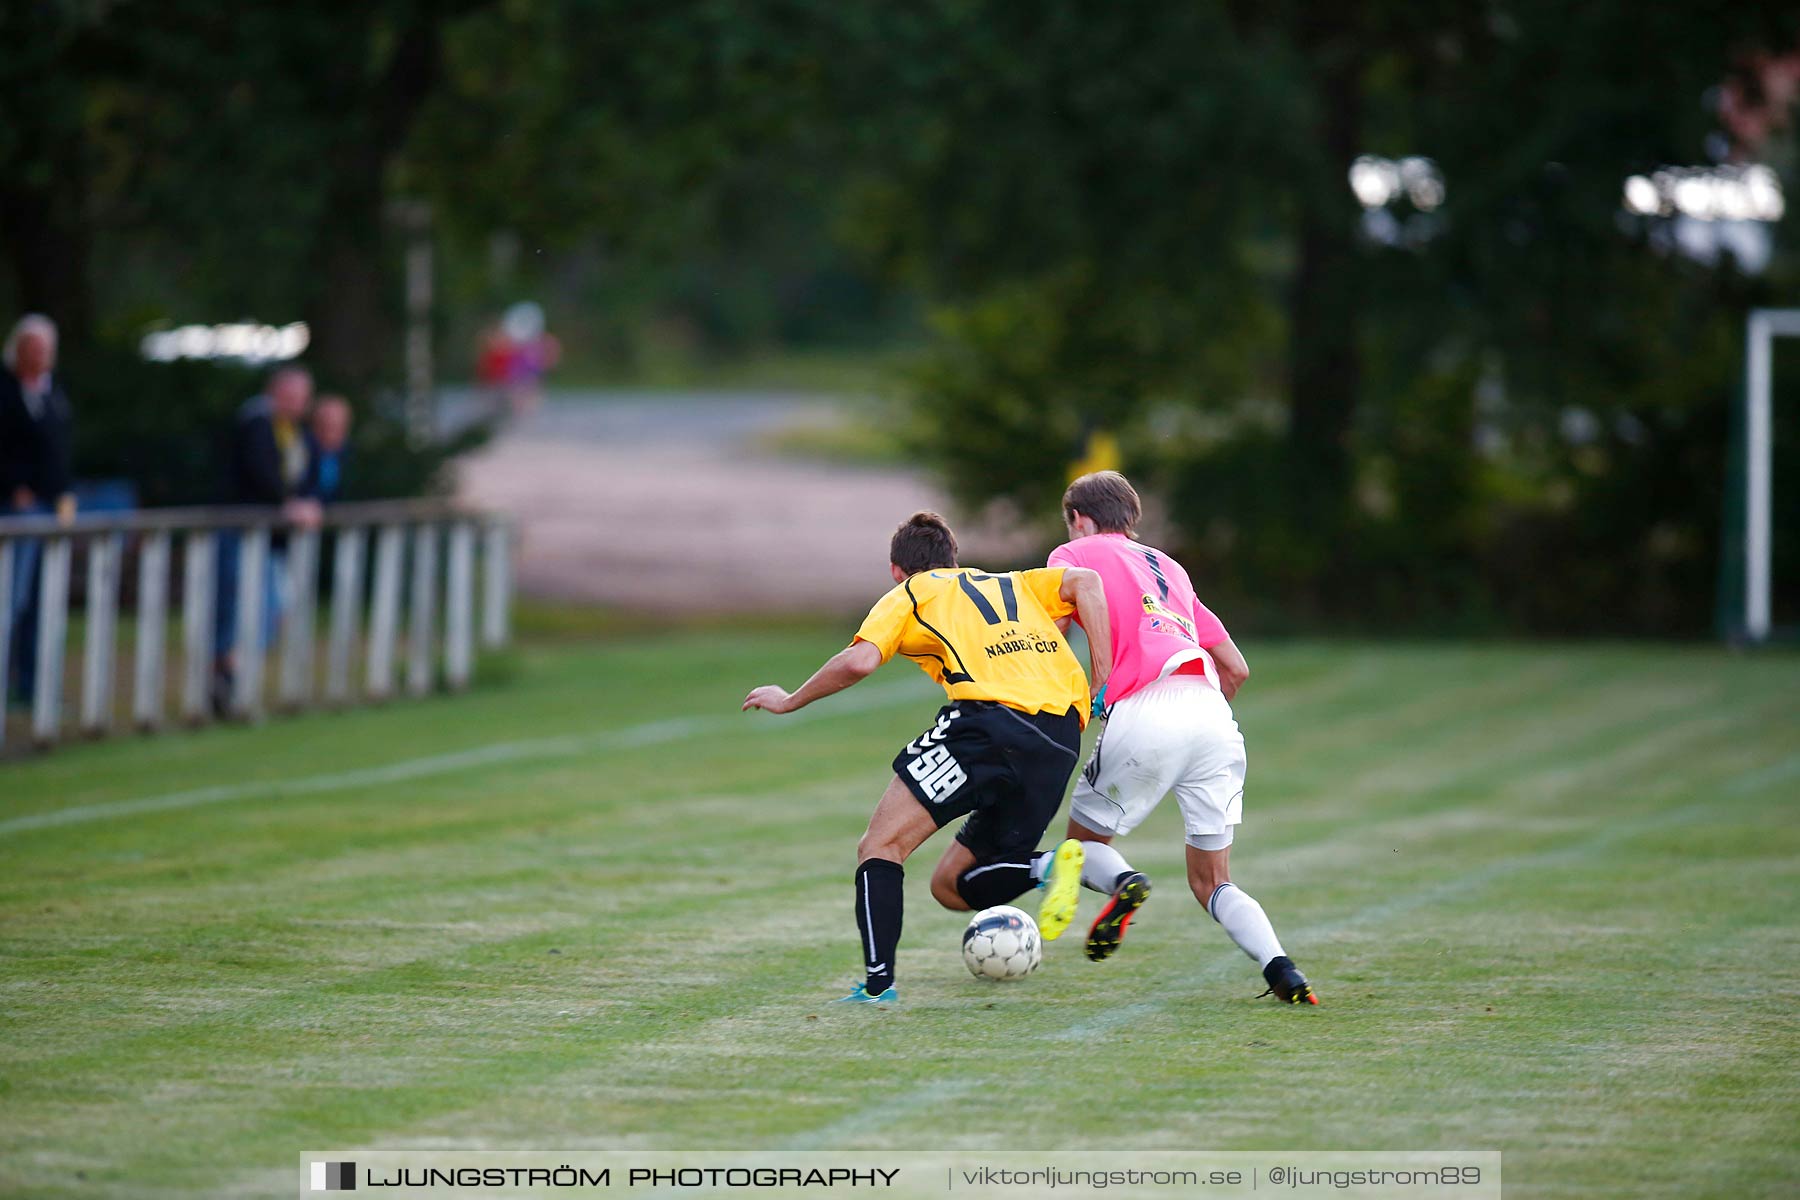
[(388, 583)]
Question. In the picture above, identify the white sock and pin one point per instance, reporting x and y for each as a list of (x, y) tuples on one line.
[(1102, 867), (1041, 863), (1238, 913)]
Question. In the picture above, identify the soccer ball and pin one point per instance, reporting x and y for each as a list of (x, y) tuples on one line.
[(1002, 943)]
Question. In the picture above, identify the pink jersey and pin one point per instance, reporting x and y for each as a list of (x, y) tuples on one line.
[(1159, 627)]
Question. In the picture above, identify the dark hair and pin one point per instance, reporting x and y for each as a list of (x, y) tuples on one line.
[(1106, 498), (922, 543)]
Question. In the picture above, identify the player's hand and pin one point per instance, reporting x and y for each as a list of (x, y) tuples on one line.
[(303, 512), (769, 698)]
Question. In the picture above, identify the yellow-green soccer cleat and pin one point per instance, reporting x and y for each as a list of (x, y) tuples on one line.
[(1062, 890)]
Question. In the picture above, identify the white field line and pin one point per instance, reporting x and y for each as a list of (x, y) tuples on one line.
[(1776, 772), (572, 745), (941, 1093)]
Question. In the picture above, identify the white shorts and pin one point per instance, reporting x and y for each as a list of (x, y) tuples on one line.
[(1176, 735)]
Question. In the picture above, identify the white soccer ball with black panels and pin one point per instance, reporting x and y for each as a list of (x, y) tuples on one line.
[(1002, 943)]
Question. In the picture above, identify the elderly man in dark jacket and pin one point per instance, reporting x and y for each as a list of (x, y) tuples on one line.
[(36, 429)]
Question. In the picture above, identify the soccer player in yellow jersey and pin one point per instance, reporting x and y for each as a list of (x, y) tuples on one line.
[(1000, 753)]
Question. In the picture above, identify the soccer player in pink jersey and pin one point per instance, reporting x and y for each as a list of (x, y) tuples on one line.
[(1168, 728)]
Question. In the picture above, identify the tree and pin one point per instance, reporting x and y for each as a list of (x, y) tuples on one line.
[(1135, 211), (240, 158), (44, 160)]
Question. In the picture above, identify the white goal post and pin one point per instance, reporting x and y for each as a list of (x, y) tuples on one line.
[(1766, 324)]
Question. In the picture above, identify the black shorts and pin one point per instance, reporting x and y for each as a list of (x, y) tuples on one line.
[(1004, 769)]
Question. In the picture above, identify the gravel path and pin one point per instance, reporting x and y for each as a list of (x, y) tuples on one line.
[(670, 501)]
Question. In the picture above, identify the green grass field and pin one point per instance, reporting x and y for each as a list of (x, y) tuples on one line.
[(1548, 895)]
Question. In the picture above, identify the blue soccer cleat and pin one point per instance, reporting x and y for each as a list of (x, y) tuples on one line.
[(862, 995)]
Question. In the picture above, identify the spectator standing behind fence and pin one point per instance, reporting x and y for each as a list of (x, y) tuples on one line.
[(36, 428), (268, 465), (514, 358), (328, 449)]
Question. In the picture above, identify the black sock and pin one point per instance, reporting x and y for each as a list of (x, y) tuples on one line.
[(989, 884), (879, 904)]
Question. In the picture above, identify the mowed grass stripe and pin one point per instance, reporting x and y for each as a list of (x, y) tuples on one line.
[(290, 819), (1466, 892), (478, 758), (554, 689), (695, 1031), (661, 1051), (495, 900), (416, 837), (937, 1087), (1496, 746), (432, 991), (885, 1114), (334, 840)]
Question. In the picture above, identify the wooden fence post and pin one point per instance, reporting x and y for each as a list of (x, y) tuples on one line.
[(248, 651), (384, 619), (53, 628), (346, 603), (152, 620), (106, 555), (302, 591), (496, 608), (199, 579), (422, 614)]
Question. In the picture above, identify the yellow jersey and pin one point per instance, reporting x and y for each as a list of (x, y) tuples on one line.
[(984, 637)]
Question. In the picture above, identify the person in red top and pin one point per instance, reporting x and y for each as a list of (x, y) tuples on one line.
[(1169, 727)]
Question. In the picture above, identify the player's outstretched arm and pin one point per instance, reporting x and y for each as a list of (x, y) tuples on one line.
[(1082, 588), (853, 664), (1233, 670)]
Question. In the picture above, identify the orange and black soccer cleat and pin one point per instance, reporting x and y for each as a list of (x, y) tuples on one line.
[(1108, 929), (1286, 983)]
